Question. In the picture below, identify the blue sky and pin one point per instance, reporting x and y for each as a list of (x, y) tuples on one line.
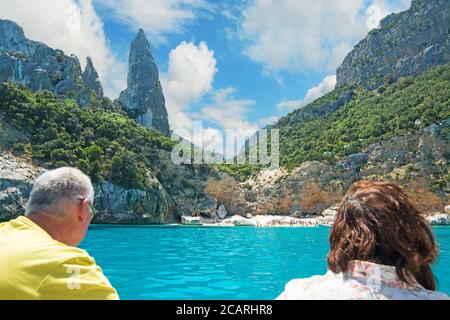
[(230, 64)]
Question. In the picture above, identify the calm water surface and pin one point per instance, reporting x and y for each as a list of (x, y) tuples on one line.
[(173, 262)]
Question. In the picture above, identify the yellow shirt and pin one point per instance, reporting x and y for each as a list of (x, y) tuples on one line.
[(35, 266)]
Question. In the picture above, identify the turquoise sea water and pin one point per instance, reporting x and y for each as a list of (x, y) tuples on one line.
[(173, 262)]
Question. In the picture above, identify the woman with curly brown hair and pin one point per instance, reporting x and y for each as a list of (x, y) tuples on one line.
[(381, 247)]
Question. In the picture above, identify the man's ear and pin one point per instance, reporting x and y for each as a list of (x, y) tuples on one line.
[(84, 211)]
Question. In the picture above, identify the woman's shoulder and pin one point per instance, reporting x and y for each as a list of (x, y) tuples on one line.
[(314, 280), (311, 288), (337, 286)]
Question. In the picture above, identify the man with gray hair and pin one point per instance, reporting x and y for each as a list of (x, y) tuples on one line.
[(38, 254)]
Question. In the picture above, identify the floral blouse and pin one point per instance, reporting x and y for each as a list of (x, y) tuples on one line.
[(362, 281)]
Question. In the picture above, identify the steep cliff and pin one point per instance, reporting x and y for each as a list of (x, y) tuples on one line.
[(39, 67), (12, 39), (418, 161), (113, 203), (400, 134), (131, 167), (143, 99), (405, 44), (387, 120), (91, 79)]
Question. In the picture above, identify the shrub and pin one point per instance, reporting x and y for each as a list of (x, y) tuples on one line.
[(103, 143)]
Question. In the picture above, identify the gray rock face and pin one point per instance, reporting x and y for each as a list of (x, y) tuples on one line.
[(91, 79), (113, 203), (222, 212), (328, 216), (16, 178), (406, 44), (306, 191), (12, 38), (173, 190), (356, 160), (118, 205), (38, 67), (143, 99), (439, 219), (208, 207)]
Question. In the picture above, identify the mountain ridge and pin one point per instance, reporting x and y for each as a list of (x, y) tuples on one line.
[(39, 67), (405, 44)]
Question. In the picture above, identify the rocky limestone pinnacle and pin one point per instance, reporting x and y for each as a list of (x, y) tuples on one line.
[(143, 99), (91, 79)]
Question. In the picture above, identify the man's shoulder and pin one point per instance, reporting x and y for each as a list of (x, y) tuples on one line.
[(47, 251), (64, 253), (22, 238), (76, 269)]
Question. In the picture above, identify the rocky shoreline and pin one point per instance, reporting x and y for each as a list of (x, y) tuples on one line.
[(114, 204), (258, 221), (324, 219)]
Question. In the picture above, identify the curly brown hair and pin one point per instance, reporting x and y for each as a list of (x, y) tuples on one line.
[(377, 223)]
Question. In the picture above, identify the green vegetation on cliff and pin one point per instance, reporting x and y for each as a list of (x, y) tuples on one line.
[(109, 146), (369, 117), (322, 131), (105, 144)]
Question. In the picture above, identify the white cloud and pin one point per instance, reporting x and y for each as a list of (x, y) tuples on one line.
[(302, 35), (189, 76), (156, 17), (287, 104), (381, 8), (212, 139), (190, 73), (268, 121), (375, 13), (327, 85), (228, 112), (72, 26)]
